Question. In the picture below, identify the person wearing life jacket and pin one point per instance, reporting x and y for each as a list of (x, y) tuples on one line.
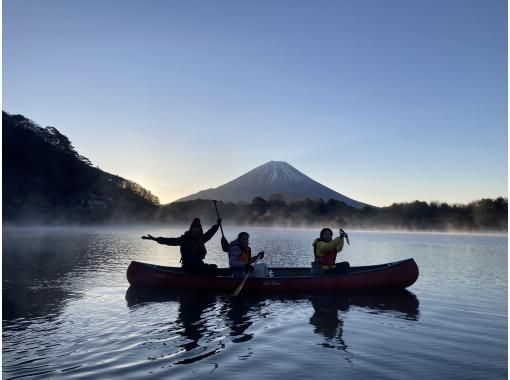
[(192, 246), (241, 261), (325, 249)]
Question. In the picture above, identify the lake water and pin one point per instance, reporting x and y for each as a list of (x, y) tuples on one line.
[(68, 311)]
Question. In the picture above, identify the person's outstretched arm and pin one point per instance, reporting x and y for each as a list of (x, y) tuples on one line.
[(164, 240)]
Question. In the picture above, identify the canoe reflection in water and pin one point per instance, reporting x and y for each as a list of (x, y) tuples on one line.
[(327, 320), (202, 318)]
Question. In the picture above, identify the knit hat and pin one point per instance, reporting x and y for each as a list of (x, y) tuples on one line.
[(195, 223)]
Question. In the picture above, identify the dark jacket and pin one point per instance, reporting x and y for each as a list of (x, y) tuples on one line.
[(188, 257)]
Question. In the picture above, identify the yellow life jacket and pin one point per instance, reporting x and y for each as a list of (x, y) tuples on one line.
[(326, 258)]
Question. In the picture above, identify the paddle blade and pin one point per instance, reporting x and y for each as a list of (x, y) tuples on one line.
[(224, 244), (240, 287)]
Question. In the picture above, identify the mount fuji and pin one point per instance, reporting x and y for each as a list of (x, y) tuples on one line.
[(273, 177)]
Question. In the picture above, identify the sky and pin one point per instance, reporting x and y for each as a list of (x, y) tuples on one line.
[(382, 101)]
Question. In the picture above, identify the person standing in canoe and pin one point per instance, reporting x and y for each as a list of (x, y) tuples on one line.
[(192, 244), (325, 249), (241, 261)]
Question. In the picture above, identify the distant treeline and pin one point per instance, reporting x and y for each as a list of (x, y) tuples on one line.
[(481, 215)]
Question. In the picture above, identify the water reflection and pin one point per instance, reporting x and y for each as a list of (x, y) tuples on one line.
[(190, 316), (196, 326), (327, 317), (240, 314), (400, 304), (202, 315), (327, 322), (35, 272), (42, 271), (191, 308)]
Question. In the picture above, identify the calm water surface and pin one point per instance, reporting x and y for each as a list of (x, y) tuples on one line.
[(68, 311)]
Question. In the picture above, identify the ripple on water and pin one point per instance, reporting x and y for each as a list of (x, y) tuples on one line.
[(74, 318)]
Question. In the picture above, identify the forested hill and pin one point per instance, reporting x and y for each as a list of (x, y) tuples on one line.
[(46, 180)]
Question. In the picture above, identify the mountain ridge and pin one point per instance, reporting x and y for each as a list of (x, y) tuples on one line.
[(274, 178)]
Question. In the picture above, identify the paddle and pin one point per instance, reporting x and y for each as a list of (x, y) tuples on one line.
[(345, 235), (224, 241), (238, 290)]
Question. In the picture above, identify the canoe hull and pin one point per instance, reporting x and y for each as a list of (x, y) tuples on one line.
[(391, 276)]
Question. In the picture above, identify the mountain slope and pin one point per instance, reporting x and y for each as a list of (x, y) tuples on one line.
[(44, 178), (274, 177)]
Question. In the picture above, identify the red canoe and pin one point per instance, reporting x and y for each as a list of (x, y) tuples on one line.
[(396, 275)]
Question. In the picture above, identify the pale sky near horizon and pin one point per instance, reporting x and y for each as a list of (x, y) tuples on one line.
[(382, 101)]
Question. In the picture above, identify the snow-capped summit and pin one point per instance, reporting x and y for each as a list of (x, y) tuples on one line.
[(273, 177), (273, 172)]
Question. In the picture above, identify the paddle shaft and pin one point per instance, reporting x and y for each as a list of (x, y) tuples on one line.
[(240, 287), (218, 215)]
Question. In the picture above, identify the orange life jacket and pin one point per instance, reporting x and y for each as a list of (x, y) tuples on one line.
[(245, 255)]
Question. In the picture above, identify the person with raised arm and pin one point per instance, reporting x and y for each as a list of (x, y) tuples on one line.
[(192, 245), (325, 250)]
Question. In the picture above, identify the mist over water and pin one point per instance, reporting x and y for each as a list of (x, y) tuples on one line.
[(69, 312)]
